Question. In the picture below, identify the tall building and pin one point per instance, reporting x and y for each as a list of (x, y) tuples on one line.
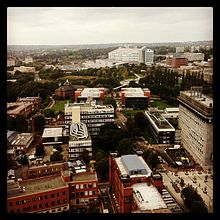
[(136, 98), (133, 55), (133, 185), (94, 116), (79, 140), (196, 124)]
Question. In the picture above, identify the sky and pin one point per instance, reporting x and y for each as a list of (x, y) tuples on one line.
[(100, 25)]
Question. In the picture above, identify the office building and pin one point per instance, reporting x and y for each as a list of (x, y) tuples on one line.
[(94, 116), (194, 56), (136, 98), (132, 55), (79, 140), (97, 94), (196, 124), (129, 177), (176, 60), (162, 131), (35, 100)]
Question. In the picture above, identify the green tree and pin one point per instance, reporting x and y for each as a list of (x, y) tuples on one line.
[(85, 156), (110, 100), (49, 113), (40, 150), (23, 160), (39, 122), (125, 146), (56, 156), (140, 120), (18, 123)]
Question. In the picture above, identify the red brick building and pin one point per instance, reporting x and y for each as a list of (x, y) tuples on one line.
[(46, 194), (65, 91), (124, 172), (176, 61)]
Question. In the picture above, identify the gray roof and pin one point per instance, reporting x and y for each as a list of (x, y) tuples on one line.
[(133, 163), (11, 135)]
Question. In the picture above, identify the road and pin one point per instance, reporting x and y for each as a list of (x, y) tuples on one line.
[(52, 103)]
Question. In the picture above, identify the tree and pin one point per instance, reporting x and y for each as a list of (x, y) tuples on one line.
[(137, 132), (39, 122), (85, 156), (49, 113), (18, 123), (40, 150), (23, 160), (140, 120), (125, 146), (56, 156), (110, 100)]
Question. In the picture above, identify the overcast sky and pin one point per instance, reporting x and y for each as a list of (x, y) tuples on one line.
[(96, 25)]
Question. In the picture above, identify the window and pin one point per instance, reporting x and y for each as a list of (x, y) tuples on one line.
[(34, 199), (40, 197), (53, 203), (40, 206), (46, 204), (34, 207), (77, 186), (46, 197), (58, 201), (17, 202), (81, 186), (10, 204), (52, 195), (64, 193)]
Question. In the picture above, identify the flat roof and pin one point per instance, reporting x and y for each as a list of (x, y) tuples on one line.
[(22, 139), (35, 186), (148, 197), (85, 176), (52, 132), (79, 131), (130, 163), (204, 100), (93, 92)]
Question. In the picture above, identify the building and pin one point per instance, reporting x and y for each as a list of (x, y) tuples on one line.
[(126, 174), (19, 142), (147, 199), (32, 172), (196, 124), (83, 189), (97, 94), (136, 98), (160, 128), (180, 49), (132, 55), (194, 56), (65, 91), (36, 101), (171, 113), (24, 69), (79, 140), (20, 108), (55, 135), (48, 194), (28, 59), (176, 60), (11, 61), (94, 116)]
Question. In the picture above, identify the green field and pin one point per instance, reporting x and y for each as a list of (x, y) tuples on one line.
[(59, 105), (130, 112)]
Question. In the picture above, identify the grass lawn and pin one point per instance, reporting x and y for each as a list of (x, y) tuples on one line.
[(59, 105), (161, 104)]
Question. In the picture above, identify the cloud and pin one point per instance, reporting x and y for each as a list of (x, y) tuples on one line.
[(99, 25)]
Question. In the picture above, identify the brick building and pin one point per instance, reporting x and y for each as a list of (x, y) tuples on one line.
[(124, 172), (48, 194), (65, 91), (176, 61)]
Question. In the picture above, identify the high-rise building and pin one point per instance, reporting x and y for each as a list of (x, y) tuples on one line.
[(133, 55), (94, 116), (196, 124)]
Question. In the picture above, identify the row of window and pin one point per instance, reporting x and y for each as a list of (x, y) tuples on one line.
[(39, 198), (45, 170), (40, 206), (84, 193)]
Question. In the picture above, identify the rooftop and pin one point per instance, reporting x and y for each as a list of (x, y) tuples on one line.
[(147, 197), (85, 176), (52, 132), (35, 186), (16, 107), (22, 139), (93, 92), (132, 165)]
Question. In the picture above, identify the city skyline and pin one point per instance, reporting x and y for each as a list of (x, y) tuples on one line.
[(103, 25)]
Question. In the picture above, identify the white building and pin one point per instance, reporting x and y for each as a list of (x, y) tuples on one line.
[(79, 140), (196, 124), (10, 61), (132, 55), (28, 59), (24, 69), (180, 49), (94, 116), (194, 56)]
